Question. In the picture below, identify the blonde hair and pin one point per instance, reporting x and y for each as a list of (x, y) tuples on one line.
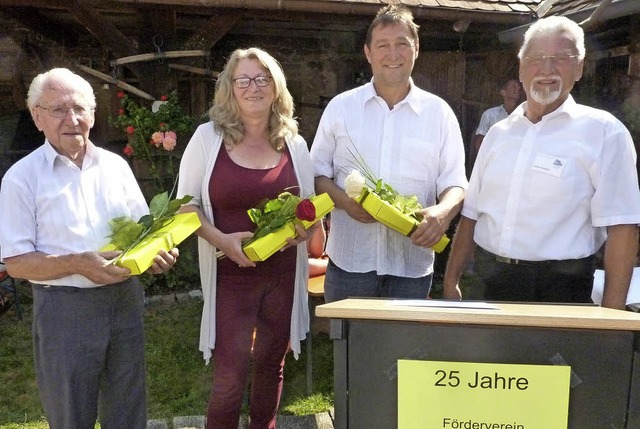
[(554, 25), (225, 113)]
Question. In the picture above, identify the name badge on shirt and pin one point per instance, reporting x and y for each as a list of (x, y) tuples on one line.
[(549, 164)]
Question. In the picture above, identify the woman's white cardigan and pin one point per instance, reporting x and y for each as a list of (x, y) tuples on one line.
[(195, 171)]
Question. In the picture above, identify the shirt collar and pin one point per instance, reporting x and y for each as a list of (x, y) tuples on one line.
[(411, 99), (566, 108), (51, 154)]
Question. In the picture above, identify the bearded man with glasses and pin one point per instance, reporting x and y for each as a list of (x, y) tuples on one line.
[(56, 204), (552, 183)]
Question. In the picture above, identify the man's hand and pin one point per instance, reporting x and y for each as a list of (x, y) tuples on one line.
[(163, 261), (99, 267), (432, 228), (342, 200), (357, 212)]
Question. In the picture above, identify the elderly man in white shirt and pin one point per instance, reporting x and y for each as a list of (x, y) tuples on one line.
[(412, 140), (551, 184), (88, 313)]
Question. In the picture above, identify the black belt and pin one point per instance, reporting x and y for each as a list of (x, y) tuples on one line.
[(557, 263)]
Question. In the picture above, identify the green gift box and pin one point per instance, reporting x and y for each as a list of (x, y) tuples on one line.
[(393, 218), (140, 257), (263, 247)]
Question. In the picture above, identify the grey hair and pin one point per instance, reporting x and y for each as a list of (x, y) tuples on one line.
[(52, 79), (554, 25)]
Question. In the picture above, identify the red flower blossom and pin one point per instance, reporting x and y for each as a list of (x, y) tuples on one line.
[(120, 94), (163, 98), (120, 112), (130, 130), (305, 210), (128, 150)]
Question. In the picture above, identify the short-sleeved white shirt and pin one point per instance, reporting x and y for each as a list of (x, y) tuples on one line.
[(490, 117), (416, 147), (49, 205), (548, 190)]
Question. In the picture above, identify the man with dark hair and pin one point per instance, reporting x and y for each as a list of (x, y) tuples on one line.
[(409, 138), (510, 92)]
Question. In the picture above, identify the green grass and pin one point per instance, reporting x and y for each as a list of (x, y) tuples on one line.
[(178, 382)]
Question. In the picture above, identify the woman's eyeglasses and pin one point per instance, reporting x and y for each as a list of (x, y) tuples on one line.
[(244, 82)]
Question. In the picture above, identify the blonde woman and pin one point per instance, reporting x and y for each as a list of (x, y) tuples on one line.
[(249, 151)]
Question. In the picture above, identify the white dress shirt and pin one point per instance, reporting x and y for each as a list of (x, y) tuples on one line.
[(195, 171), (491, 116), (416, 147), (548, 190), (49, 205)]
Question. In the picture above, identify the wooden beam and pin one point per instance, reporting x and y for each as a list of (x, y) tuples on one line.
[(116, 82), (196, 70), (110, 37), (217, 26), (158, 56), (32, 19)]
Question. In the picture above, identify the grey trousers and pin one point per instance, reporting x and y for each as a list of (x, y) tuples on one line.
[(89, 355)]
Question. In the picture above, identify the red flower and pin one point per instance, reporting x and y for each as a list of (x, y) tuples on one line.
[(305, 210), (163, 98), (120, 112), (130, 130), (128, 150), (162, 125), (120, 94)]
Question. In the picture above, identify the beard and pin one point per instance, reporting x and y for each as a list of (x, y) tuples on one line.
[(546, 95)]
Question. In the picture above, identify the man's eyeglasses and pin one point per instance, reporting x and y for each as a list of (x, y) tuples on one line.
[(244, 82), (560, 59), (61, 112)]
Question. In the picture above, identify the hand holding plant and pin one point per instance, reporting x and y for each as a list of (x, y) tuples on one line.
[(126, 233), (399, 212)]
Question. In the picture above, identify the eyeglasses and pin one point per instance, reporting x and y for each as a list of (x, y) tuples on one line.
[(244, 82), (559, 59), (61, 112)]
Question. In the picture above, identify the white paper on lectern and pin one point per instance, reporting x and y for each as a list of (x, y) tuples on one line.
[(633, 297)]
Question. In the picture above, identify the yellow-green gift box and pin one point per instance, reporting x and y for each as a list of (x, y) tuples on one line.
[(263, 247), (140, 257), (393, 218)]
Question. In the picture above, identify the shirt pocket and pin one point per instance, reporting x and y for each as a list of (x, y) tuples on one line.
[(552, 186), (417, 160)]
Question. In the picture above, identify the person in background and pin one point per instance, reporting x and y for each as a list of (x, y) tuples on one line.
[(87, 312), (511, 95), (248, 152), (552, 183), (408, 137)]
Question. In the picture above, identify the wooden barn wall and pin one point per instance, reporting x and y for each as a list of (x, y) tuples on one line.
[(317, 68)]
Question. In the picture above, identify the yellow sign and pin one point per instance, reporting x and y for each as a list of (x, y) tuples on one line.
[(464, 395)]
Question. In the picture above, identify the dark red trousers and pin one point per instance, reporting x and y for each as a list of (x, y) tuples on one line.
[(245, 303)]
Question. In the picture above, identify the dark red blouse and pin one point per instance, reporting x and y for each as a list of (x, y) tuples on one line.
[(233, 190)]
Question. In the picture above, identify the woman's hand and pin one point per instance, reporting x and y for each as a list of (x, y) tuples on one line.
[(231, 245), (301, 235)]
